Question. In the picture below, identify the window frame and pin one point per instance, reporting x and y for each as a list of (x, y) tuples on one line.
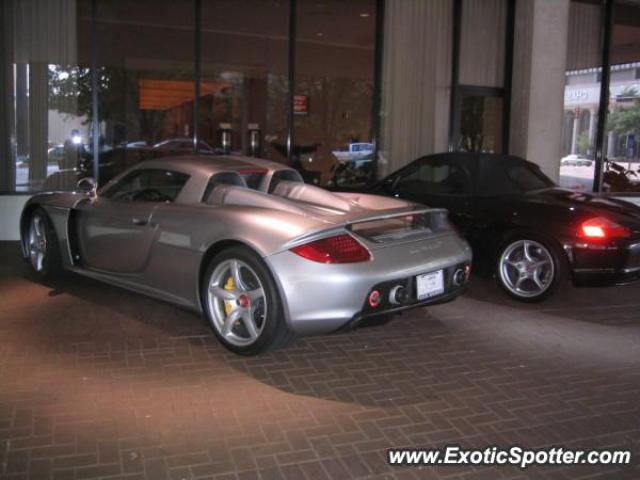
[(468, 170), (107, 194)]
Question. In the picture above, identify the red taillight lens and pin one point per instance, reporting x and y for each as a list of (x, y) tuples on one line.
[(602, 228), (338, 249)]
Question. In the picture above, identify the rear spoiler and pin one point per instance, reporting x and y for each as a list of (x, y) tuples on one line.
[(393, 213), (358, 219)]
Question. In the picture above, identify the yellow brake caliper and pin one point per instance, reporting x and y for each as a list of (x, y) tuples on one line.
[(228, 305)]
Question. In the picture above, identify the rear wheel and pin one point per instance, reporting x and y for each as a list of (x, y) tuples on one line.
[(530, 268), (42, 245), (242, 303)]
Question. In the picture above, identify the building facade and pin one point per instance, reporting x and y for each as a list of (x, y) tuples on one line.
[(343, 90)]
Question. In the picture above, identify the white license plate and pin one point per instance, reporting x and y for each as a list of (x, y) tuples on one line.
[(430, 284)]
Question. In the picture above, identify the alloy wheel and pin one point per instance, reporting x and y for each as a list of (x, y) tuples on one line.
[(526, 268), (37, 243), (237, 302)]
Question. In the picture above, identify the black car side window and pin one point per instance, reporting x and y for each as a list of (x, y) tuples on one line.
[(148, 185), (435, 178)]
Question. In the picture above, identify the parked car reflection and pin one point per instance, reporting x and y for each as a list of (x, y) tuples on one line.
[(177, 146)]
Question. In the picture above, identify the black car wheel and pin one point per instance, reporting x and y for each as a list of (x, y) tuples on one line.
[(42, 245), (242, 303), (529, 268)]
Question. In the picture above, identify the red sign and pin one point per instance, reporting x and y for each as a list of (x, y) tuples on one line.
[(301, 105)]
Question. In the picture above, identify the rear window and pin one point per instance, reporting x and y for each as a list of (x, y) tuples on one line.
[(499, 176), (527, 179), (253, 176)]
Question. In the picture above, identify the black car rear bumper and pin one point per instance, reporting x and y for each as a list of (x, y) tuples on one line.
[(604, 276), (617, 264)]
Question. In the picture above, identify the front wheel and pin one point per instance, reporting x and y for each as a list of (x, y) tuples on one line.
[(42, 245), (242, 303), (529, 269)]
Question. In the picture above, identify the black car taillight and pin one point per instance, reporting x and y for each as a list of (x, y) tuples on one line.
[(601, 228)]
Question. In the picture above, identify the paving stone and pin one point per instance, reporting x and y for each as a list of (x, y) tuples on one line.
[(97, 382)]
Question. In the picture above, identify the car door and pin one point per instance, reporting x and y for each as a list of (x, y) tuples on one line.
[(115, 230), (439, 181)]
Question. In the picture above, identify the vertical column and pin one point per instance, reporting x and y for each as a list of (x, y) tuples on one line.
[(593, 120), (22, 110), (540, 51), (574, 134), (611, 145), (7, 160), (38, 119)]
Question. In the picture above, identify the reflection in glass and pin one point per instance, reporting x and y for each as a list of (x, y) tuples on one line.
[(482, 42), (146, 84), (51, 118), (244, 91), (334, 90), (621, 170), (581, 97), (480, 124)]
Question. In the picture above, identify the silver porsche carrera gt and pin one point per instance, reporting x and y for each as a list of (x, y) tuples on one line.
[(263, 255)]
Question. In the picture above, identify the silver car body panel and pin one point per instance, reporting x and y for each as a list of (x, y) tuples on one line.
[(160, 249)]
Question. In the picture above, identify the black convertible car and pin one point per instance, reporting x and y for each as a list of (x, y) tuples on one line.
[(529, 233)]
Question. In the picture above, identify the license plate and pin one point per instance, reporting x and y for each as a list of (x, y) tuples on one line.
[(430, 284)]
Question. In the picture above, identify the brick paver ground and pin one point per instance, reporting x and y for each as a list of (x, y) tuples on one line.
[(97, 382)]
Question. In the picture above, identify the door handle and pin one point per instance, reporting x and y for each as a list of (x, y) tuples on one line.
[(138, 221)]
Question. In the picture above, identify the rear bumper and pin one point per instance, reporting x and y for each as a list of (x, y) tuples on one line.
[(605, 277), (364, 315), (611, 264), (322, 298)]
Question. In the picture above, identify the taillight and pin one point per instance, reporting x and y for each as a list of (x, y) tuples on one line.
[(602, 228), (339, 249)]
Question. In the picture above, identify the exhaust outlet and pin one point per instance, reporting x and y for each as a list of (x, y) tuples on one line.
[(398, 295), (459, 277)]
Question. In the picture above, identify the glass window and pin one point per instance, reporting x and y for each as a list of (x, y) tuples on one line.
[(482, 42), (480, 127), (509, 175), (416, 81), (50, 121), (527, 178), (434, 178), (148, 185), (334, 90), (479, 110), (244, 90), (253, 176), (145, 72), (621, 169), (581, 97), (492, 178)]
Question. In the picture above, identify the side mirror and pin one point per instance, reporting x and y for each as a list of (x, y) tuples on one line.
[(87, 185)]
